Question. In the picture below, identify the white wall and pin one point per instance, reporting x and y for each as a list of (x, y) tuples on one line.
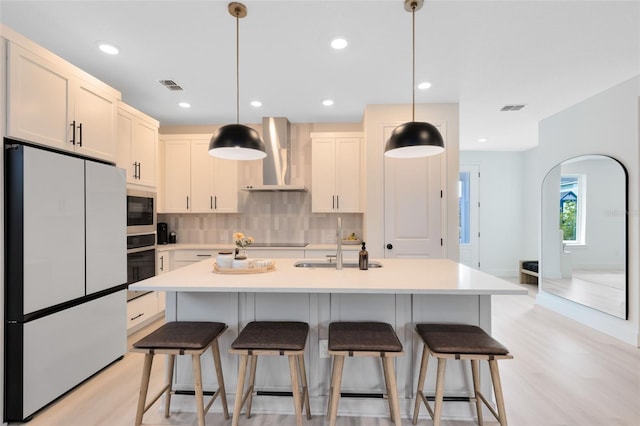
[(502, 195), (606, 124)]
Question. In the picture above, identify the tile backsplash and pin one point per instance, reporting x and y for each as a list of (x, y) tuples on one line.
[(269, 217)]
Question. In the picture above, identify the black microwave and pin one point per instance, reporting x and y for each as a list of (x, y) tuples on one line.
[(141, 212)]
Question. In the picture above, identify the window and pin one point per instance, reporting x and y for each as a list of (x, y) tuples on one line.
[(464, 208), (572, 208)]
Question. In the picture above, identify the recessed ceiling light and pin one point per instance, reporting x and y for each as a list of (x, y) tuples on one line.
[(482, 140), (184, 105), (256, 104), (339, 43), (424, 85), (107, 48), (327, 102)]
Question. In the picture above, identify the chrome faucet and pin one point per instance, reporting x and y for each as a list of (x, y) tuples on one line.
[(339, 245)]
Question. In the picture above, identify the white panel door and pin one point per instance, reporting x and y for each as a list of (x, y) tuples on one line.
[(413, 206), (177, 175), (106, 221), (54, 248), (63, 349), (96, 113), (125, 135), (39, 105), (348, 175), (202, 177)]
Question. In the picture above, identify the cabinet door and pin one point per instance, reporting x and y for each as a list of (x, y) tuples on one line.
[(225, 176), (125, 135), (54, 229), (323, 184), (162, 262), (177, 171), (202, 177), (348, 175), (106, 225), (143, 151), (96, 113), (39, 105)]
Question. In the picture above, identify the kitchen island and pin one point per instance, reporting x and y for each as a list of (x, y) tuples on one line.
[(403, 292)]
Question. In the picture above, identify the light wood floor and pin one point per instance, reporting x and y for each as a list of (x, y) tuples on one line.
[(563, 373)]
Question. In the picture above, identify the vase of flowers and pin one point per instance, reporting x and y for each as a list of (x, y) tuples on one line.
[(242, 242)]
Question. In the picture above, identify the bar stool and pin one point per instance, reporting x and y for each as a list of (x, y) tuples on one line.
[(363, 339), (283, 338), (460, 341), (181, 338)]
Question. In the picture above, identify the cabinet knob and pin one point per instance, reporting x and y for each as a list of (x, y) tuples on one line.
[(389, 246)]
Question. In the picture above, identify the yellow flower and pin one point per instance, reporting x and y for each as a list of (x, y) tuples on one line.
[(238, 236)]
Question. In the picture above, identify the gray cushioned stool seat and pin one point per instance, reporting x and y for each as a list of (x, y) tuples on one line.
[(459, 339), (181, 335), (363, 336), (273, 335)]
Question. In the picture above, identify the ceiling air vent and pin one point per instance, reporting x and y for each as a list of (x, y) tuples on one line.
[(512, 108), (171, 85)]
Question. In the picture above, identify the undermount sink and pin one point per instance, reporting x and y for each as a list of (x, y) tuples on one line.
[(306, 264)]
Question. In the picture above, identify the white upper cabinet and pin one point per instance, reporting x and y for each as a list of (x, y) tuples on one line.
[(137, 145), (50, 103), (336, 172), (196, 182)]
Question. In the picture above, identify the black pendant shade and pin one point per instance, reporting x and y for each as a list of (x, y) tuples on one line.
[(237, 142), (414, 139)]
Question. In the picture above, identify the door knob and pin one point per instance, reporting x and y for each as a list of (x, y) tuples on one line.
[(389, 246)]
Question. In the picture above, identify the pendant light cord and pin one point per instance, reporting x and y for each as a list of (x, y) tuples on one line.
[(237, 66), (413, 57)]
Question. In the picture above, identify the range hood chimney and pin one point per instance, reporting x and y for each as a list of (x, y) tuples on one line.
[(277, 164)]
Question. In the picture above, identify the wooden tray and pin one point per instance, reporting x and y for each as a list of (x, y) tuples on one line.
[(259, 270)]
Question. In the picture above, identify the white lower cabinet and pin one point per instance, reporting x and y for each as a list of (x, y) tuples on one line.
[(142, 310)]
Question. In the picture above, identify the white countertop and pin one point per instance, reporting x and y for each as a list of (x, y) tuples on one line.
[(397, 276), (220, 246)]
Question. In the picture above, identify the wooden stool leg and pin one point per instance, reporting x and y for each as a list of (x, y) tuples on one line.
[(386, 383), (437, 411), (393, 390), (476, 389), (242, 371), (252, 383), (215, 349), (197, 380), (144, 387), (171, 362), (336, 380), (295, 385), (421, 377), (497, 390), (333, 361), (305, 386)]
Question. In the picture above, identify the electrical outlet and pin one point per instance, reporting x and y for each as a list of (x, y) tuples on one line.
[(323, 345)]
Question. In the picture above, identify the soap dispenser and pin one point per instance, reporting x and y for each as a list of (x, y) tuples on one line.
[(363, 259)]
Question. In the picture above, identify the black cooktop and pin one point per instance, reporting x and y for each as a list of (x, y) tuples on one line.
[(279, 244)]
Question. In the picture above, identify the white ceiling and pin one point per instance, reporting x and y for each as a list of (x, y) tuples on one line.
[(482, 54)]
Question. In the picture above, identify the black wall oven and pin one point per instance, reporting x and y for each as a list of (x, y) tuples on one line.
[(141, 260), (141, 212)]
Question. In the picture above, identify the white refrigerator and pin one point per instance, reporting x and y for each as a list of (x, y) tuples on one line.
[(65, 263)]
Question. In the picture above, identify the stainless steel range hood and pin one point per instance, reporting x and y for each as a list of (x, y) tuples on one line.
[(277, 165)]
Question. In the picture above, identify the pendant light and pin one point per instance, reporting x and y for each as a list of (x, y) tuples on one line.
[(236, 141), (415, 138)]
